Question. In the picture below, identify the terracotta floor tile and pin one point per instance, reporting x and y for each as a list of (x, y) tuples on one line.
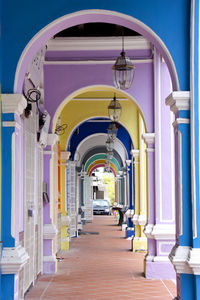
[(101, 267)]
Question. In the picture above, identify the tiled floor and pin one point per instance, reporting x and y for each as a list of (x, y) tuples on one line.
[(101, 267)]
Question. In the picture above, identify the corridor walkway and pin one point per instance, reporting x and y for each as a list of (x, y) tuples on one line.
[(101, 267)]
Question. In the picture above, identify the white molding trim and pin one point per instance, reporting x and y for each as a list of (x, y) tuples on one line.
[(149, 138), (150, 150), (97, 43), (142, 220), (179, 257), (13, 259), (148, 231), (135, 219), (194, 260), (179, 100), (93, 62), (49, 231), (13, 104), (129, 213), (65, 155), (164, 232), (11, 124), (50, 258), (160, 258), (52, 139), (149, 258), (180, 121), (135, 153)]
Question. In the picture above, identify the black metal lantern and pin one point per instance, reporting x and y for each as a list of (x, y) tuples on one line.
[(109, 155), (114, 110), (109, 144), (112, 131), (123, 70)]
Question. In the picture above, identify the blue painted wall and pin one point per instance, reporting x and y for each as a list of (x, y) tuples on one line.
[(89, 128), (21, 20)]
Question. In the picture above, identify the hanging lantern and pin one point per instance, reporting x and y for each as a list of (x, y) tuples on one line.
[(123, 70), (109, 144), (112, 131), (114, 110), (109, 155), (107, 166)]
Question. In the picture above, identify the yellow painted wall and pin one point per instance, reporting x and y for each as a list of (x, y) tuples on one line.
[(76, 111)]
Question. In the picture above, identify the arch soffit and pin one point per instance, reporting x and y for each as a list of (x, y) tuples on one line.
[(101, 165), (98, 162), (98, 156), (85, 16), (97, 140), (92, 88)]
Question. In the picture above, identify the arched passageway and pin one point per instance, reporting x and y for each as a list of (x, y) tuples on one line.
[(148, 123)]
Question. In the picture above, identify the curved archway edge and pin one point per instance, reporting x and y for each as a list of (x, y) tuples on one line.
[(86, 16)]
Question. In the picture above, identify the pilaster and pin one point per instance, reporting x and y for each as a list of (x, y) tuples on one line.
[(64, 234), (179, 103), (50, 208), (139, 241), (14, 257)]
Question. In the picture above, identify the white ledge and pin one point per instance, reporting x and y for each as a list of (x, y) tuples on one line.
[(65, 155), (135, 219), (129, 213), (148, 231), (164, 232), (179, 100), (52, 139), (135, 153), (50, 258), (179, 257), (13, 104), (194, 260), (13, 259), (149, 138), (142, 219), (49, 231), (97, 43)]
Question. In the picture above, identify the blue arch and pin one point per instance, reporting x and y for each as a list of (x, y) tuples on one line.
[(89, 128)]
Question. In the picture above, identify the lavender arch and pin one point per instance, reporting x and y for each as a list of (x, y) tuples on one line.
[(86, 16)]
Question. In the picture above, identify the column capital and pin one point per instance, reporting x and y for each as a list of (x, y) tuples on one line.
[(49, 231), (149, 138), (52, 139), (13, 104), (179, 257), (13, 259), (135, 153), (178, 100), (65, 155), (194, 260)]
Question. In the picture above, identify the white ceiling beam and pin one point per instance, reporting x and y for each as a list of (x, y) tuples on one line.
[(97, 43)]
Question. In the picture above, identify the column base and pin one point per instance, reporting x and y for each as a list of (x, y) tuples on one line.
[(49, 264), (139, 243), (159, 268)]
